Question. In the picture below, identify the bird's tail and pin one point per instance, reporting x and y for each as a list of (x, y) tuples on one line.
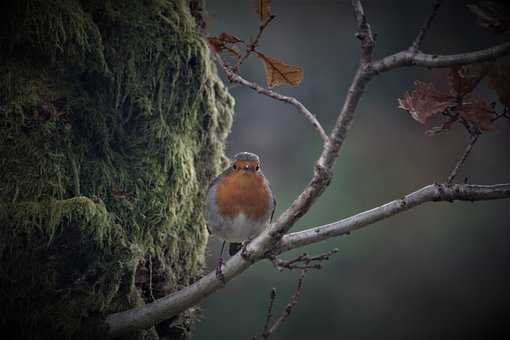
[(233, 248)]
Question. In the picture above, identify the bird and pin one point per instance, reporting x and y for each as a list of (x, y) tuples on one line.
[(239, 204)]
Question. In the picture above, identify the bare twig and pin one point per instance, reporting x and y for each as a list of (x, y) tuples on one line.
[(272, 297), (462, 159), (268, 331), (365, 34), (235, 78), (504, 114), (426, 26), (303, 261), (250, 48)]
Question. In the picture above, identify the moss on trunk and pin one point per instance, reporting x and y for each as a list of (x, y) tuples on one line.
[(112, 122)]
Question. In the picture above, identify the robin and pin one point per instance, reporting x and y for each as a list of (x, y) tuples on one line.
[(240, 203)]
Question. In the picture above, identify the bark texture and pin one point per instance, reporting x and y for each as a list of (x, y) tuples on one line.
[(112, 122)]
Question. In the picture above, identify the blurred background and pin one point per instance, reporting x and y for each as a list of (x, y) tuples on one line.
[(439, 270)]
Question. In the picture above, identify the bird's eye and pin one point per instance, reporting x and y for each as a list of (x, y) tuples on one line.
[(257, 168), (235, 167)]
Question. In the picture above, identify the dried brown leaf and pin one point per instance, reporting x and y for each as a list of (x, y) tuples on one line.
[(224, 42), (477, 111), (234, 52), (263, 10), (216, 44), (278, 73), (499, 81), (464, 79), (425, 101), (228, 38)]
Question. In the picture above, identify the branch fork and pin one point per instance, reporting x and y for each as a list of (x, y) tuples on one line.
[(303, 261)]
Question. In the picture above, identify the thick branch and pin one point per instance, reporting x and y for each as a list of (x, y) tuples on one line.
[(164, 308), (433, 192), (407, 58), (171, 305)]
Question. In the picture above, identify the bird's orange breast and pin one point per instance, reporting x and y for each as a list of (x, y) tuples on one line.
[(241, 192)]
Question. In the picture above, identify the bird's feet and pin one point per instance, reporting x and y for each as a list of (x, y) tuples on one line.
[(244, 251), (219, 272)]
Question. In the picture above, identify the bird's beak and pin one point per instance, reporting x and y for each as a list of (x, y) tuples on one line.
[(248, 168)]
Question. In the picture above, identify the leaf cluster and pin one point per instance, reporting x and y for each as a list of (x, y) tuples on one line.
[(458, 103), (277, 72)]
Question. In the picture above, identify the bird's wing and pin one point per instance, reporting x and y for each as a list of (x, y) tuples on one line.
[(219, 177), (274, 200), (274, 208)]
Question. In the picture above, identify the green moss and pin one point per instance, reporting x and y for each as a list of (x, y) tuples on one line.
[(112, 123)]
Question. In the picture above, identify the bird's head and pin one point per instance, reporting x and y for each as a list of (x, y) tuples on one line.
[(246, 162)]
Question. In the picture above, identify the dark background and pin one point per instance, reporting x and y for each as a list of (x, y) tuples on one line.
[(439, 270)]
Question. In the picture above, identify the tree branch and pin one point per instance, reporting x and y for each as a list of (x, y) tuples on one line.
[(365, 34), (426, 26), (407, 58), (171, 305), (430, 193), (268, 331), (303, 261)]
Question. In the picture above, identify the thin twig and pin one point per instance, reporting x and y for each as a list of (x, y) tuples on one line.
[(365, 34), (504, 114), (272, 297), (250, 48), (236, 78), (426, 26), (303, 261), (288, 309), (460, 162)]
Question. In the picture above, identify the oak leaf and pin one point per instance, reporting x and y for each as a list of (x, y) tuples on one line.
[(499, 81), (224, 42), (477, 111), (464, 79), (216, 44), (425, 101), (263, 10), (228, 38), (233, 51), (278, 73)]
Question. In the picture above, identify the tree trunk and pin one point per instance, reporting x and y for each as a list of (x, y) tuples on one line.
[(112, 123)]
